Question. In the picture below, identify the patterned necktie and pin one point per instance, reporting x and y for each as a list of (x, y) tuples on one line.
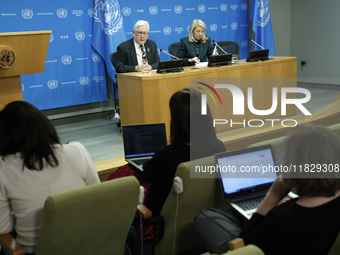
[(143, 52)]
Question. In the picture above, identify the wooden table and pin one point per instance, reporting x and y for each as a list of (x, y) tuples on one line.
[(144, 98)]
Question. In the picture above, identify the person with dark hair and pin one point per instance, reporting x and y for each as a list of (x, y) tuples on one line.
[(33, 166), (308, 224), (196, 47), (198, 141)]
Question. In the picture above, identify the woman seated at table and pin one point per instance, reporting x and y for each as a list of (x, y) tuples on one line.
[(196, 47)]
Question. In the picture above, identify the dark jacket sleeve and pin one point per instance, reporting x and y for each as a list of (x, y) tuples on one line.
[(183, 52), (121, 62), (153, 57)]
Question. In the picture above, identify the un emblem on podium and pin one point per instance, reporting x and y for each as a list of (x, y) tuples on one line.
[(7, 57)]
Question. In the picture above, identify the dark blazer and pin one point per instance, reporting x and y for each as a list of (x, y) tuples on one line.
[(188, 51), (126, 58)]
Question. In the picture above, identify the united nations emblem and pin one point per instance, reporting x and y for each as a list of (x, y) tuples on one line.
[(84, 80), (234, 26), (213, 27), (223, 7), (244, 43), (66, 60), (27, 13), (107, 12), (126, 11), (51, 38), (7, 57), (244, 6), (96, 57), (153, 10), (90, 12), (178, 9), (80, 36), (201, 8), (264, 13), (52, 84), (167, 30), (22, 87), (62, 13)]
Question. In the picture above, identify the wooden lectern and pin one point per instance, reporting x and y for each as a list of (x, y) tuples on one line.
[(20, 53)]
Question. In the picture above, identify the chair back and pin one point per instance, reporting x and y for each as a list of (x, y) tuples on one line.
[(113, 58), (90, 220), (229, 47), (179, 210), (174, 48)]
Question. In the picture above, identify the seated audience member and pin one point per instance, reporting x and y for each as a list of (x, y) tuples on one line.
[(186, 143), (33, 166), (192, 136), (136, 51), (308, 224), (196, 47)]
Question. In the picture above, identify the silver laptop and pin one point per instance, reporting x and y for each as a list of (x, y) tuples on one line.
[(244, 178), (142, 141)]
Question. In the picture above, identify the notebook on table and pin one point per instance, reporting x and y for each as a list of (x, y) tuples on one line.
[(142, 141), (244, 180)]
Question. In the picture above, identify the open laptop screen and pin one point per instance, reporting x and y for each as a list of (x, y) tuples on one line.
[(250, 170), (143, 140)]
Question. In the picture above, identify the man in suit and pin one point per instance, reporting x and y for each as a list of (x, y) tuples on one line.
[(136, 51)]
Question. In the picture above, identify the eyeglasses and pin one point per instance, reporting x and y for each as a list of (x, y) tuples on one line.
[(141, 33)]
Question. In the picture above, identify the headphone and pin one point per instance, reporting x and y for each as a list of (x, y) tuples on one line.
[(178, 185)]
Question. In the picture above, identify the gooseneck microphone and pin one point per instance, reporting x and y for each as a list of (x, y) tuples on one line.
[(256, 43), (216, 44), (168, 54)]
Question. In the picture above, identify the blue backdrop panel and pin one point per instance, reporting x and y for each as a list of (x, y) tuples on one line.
[(74, 73)]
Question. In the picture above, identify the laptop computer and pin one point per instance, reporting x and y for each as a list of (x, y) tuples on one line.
[(142, 141), (245, 177)]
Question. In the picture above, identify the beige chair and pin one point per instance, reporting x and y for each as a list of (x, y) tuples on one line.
[(90, 220)]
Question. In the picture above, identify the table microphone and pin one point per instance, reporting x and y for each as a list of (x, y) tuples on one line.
[(168, 54), (216, 44), (256, 43)]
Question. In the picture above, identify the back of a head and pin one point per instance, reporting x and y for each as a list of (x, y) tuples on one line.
[(311, 146), (25, 129), (188, 125)]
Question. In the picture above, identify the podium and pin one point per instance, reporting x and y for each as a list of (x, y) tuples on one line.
[(20, 53)]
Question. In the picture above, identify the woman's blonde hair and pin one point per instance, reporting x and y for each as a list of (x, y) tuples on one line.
[(194, 24)]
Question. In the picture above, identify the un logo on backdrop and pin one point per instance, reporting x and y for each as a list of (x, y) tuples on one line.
[(52, 84), (96, 57), (167, 30), (234, 26), (244, 6), (126, 11), (90, 12), (62, 13), (66, 60), (264, 13), (213, 27), (153, 10), (244, 43), (27, 13), (223, 7), (201, 8), (107, 12), (178, 9), (80, 36), (84, 80), (51, 38)]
